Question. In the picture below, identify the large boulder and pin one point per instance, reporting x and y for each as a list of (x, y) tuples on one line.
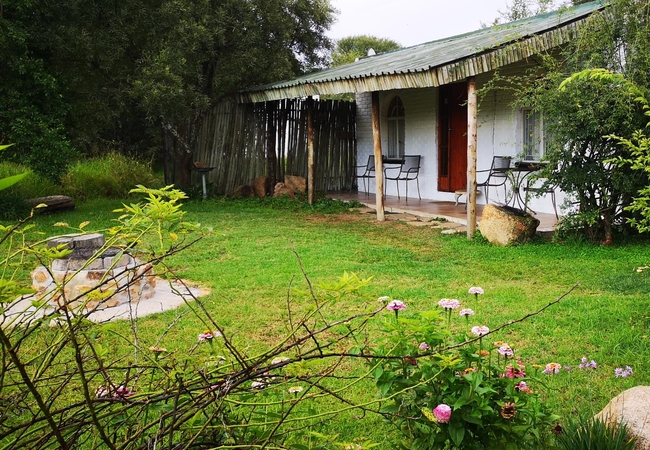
[(296, 183), (259, 186), (504, 225), (631, 407), (281, 189), (244, 191)]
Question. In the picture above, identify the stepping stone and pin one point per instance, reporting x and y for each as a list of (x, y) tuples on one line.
[(460, 229)]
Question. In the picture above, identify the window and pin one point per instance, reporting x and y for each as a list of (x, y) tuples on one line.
[(396, 127), (534, 135)]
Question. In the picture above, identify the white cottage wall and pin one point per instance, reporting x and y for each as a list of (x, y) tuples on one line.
[(421, 136), (500, 133)]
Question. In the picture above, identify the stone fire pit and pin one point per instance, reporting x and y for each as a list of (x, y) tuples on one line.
[(111, 279)]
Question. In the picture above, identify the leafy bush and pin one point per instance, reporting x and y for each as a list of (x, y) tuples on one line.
[(458, 393), (110, 176), (32, 185)]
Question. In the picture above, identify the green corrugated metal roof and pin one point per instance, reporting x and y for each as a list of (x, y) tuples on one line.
[(438, 62)]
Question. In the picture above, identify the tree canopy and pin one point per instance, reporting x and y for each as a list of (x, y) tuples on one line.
[(348, 49), (83, 75)]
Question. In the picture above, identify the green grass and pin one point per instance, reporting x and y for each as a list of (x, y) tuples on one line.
[(249, 263)]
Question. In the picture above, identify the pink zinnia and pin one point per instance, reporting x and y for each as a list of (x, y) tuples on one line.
[(505, 350), (522, 386), (552, 368), (515, 372), (449, 303), (208, 335), (466, 312), (480, 330), (396, 305), (476, 290), (442, 413)]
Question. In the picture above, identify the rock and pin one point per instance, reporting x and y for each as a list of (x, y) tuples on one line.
[(631, 407), (281, 189), (53, 202), (259, 186), (296, 183), (504, 225), (244, 191)]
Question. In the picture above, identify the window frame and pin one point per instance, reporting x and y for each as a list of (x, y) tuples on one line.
[(533, 143), (396, 121)]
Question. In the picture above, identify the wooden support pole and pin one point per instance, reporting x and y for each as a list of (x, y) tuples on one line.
[(379, 165), (310, 150), (472, 127)]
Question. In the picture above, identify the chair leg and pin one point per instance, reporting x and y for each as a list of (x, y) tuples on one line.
[(406, 182), (397, 182), (418, 183)]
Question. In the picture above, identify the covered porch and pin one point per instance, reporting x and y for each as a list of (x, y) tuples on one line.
[(428, 208)]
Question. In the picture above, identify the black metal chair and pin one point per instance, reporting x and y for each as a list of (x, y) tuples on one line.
[(538, 191), (497, 176), (368, 173), (408, 171)]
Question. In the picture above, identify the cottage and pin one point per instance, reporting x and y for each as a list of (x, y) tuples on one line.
[(422, 100)]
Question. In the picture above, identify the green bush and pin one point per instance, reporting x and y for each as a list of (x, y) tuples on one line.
[(12, 199), (110, 176)]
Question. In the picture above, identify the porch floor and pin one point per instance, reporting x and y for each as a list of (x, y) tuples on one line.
[(431, 209)]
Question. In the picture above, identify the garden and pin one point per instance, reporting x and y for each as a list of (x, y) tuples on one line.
[(323, 329)]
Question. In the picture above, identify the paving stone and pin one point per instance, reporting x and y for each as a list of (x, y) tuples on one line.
[(403, 217), (419, 224), (460, 229)]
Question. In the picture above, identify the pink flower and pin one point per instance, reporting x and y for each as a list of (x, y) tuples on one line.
[(396, 305), (449, 303), (522, 386), (552, 368), (208, 335), (442, 413), (123, 392), (476, 290), (513, 372), (466, 312), (505, 350), (480, 330), (424, 346)]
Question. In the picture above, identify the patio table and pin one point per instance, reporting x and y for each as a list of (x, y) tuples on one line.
[(518, 176)]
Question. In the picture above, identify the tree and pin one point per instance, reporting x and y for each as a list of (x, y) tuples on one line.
[(348, 49), (581, 115), (118, 71)]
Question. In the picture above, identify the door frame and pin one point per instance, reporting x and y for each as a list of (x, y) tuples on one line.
[(452, 137)]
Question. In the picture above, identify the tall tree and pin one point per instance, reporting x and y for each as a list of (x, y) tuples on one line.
[(347, 50), (122, 69)]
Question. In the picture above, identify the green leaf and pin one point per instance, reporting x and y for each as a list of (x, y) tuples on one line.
[(10, 181), (457, 433)]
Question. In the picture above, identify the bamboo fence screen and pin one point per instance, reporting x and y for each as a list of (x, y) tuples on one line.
[(233, 138)]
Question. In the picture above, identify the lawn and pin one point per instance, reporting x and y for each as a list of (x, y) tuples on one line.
[(250, 260)]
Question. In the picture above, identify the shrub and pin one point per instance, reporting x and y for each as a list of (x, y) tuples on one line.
[(110, 176), (460, 392), (12, 199)]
